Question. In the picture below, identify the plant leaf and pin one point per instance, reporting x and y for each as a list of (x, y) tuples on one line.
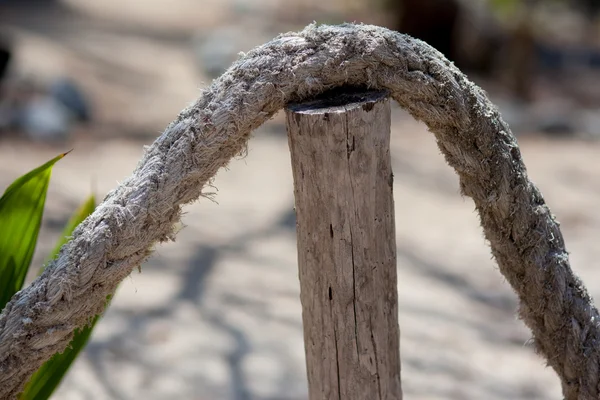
[(21, 210), (47, 378)]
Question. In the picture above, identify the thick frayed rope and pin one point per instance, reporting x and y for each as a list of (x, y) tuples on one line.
[(524, 237)]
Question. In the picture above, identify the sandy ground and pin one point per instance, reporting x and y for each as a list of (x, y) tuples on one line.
[(216, 315)]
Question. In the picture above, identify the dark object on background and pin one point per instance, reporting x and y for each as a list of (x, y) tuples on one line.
[(451, 28), (433, 21), (589, 8), (70, 96), (521, 65), (5, 56)]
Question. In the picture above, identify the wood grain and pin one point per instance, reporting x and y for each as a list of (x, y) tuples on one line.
[(346, 244)]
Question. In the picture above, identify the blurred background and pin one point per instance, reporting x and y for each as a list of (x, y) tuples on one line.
[(216, 315)]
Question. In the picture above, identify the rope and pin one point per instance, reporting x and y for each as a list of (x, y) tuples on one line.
[(524, 237)]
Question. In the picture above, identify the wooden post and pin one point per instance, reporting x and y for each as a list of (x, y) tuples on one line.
[(346, 244)]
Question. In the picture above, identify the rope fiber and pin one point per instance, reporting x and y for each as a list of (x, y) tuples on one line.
[(524, 237)]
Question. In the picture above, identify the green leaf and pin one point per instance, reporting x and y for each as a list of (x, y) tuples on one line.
[(47, 378), (21, 210)]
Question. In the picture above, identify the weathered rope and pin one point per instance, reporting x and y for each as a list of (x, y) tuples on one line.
[(524, 237)]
